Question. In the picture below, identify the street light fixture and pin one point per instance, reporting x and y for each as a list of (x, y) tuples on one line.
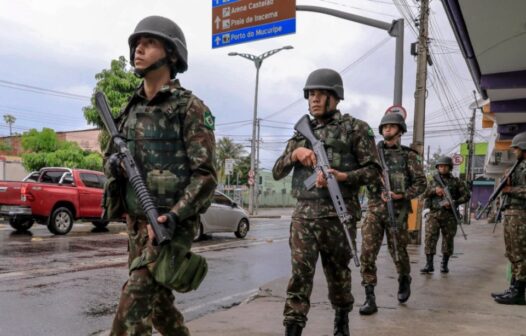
[(258, 60)]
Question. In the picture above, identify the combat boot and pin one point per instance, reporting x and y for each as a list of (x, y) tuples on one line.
[(369, 306), (512, 284), (341, 322), (404, 288), (293, 329), (515, 296), (443, 265), (429, 265)]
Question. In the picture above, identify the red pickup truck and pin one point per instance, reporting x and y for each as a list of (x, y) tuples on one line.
[(55, 197)]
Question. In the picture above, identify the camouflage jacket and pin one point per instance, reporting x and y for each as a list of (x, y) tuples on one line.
[(517, 196), (198, 143), (458, 189), (413, 172), (361, 140)]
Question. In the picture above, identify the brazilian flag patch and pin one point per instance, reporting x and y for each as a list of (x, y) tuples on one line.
[(209, 120), (370, 132)]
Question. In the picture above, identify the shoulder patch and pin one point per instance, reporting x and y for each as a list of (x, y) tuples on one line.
[(209, 120), (370, 132)]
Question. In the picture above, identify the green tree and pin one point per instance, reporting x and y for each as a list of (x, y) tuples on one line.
[(242, 168), (118, 83), (226, 148), (10, 120), (44, 149)]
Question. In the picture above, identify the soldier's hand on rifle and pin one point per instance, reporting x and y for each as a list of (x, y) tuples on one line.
[(115, 166), (321, 181), (305, 156), (394, 196), (439, 191)]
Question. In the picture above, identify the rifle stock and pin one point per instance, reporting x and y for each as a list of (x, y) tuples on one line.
[(393, 225), (162, 235), (322, 165)]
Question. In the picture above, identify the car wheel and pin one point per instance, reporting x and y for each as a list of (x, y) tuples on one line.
[(242, 228), (61, 221), (198, 235), (100, 224), (21, 224)]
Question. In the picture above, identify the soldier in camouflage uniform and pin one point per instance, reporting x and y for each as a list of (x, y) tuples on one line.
[(515, 226), (170, 134), (315, 228), (407, 181), (441, 217)]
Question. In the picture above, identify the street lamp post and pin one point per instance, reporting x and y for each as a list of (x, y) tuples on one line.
[(258, 60)]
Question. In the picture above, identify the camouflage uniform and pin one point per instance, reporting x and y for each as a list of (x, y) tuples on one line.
[(315, 228), (515, 223), (407, 178), (173, 144), (441, 219)]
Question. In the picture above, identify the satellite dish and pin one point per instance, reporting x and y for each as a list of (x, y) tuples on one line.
[(479, 103)]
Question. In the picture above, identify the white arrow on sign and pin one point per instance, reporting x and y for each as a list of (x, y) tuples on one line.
[(218, 39), (217, 21)]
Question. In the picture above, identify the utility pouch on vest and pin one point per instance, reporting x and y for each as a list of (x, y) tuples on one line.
[(179, 271), (112, 200), (162, 184), (397, 182)]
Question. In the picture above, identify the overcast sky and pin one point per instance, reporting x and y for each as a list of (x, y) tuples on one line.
[(61, 44)]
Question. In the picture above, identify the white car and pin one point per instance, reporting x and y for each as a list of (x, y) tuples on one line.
[(223, 215)]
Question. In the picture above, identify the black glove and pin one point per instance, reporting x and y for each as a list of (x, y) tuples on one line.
[(114, 165), (172, 220)]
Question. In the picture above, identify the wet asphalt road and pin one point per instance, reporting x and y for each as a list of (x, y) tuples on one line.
[(69, 285)]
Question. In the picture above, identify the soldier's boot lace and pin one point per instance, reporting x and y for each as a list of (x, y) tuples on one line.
[(515, 296), (429, 268), (443, 265), (404, 288), (369, 307), (341, 322), (293, 329), (512, 284)]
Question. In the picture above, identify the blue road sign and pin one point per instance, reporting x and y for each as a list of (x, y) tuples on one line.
[(217, 3), (260, 32)]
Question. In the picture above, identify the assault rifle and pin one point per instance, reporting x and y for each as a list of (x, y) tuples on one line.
[(393, 225), (448, 199), (497, 191), (322, 165), (162, 235)]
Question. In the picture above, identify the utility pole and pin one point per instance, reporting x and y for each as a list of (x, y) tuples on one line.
[(420, 106), (428, 150), (257, 166), (469, 163)]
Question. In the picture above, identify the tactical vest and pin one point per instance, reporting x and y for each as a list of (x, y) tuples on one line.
[(518, 178), (336, 136), (451, 183), (155, 139), (396, 159)]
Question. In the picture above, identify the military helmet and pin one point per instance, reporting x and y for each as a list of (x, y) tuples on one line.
[(166, 30), (444, 160), (324, 79), (519, 141), (393, 118)]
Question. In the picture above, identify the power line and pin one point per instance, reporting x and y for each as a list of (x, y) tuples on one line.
[(43, 91)]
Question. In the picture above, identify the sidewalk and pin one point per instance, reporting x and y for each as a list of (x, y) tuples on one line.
[(273, 213), (457, 303)]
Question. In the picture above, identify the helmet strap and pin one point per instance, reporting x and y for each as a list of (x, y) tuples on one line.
[(157, 65)]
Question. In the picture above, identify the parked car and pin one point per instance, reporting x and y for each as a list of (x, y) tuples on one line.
[(55, 197), (224, 215)]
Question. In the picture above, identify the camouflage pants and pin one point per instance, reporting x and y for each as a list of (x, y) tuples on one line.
[(373, 228), (515, 241), (308, 239), (440, 223), (144, 302)]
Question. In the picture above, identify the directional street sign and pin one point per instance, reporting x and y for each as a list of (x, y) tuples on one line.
[(239, 21)]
